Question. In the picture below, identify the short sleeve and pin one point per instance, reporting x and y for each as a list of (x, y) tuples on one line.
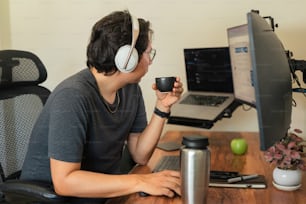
[(67, 126), (140, 121)]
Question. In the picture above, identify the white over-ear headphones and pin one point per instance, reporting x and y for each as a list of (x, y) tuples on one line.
[(126, 57)]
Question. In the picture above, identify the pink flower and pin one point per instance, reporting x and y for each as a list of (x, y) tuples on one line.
[(292, 145), (295, 155), (288, 153)]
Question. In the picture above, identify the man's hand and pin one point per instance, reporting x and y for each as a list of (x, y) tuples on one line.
[(167, 183), (166, 100)]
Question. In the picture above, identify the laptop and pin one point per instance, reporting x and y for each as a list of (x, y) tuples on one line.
[(209, 84)]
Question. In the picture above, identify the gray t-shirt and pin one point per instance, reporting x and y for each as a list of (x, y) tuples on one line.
[(76, 126)]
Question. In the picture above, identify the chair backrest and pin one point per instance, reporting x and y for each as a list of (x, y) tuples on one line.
[(21, 101)]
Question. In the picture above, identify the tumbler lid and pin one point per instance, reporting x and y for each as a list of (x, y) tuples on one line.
[(195, 141)]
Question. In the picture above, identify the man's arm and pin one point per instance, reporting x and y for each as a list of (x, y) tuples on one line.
[(69, 180), (142, 145)]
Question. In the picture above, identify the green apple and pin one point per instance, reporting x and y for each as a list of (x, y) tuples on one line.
[(239, 146)]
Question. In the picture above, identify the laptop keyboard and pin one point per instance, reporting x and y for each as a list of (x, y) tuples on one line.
[(168, 162), (205, 100)]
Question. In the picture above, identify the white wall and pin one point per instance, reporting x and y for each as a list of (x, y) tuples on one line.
[(58, 31), (4, 24)]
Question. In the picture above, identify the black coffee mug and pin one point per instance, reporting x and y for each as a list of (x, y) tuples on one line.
[(165, 84)]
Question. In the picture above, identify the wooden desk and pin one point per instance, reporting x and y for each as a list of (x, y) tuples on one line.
[(223, 159)]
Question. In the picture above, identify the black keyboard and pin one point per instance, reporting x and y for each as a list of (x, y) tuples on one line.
[(173, 163), (205, 100)]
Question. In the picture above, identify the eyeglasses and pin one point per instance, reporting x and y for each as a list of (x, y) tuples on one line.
[(152, 54)]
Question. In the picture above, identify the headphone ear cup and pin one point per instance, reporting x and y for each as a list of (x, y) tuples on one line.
[(122, 55)]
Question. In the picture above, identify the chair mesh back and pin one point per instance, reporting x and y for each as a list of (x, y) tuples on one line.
[(20, 68), (16, 122), (25, 71), (21, 101)]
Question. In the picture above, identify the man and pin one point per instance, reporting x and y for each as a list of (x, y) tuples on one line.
[(78, 139)]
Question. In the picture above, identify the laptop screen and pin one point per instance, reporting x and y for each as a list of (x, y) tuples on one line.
[(208, 69)]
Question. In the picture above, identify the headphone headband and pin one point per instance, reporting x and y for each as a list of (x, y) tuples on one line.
[(135, 34)]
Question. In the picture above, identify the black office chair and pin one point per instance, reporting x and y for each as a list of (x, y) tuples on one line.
[(21, 100)]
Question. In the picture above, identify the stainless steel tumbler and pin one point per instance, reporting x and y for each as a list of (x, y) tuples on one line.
[(195, 169)]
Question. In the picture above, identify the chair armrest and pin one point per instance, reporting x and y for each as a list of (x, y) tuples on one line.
[(14, 190)]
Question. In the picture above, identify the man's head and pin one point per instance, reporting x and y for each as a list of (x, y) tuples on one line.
[(109, 34)]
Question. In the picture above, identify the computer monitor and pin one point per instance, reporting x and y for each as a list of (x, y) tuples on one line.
[(268, 77), (241, 64)]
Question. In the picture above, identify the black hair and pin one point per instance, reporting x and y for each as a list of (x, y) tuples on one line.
[(109, 34)]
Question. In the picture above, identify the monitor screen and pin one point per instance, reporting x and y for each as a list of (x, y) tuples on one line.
[(270, 76), (239, 45)]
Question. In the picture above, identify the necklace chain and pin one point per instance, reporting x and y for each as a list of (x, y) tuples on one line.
[(117, 106)]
